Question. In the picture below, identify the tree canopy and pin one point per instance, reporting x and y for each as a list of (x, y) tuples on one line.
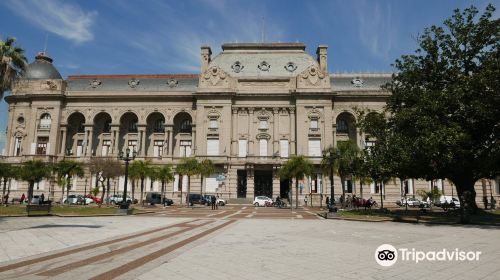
[(12, 64), (443, 117)]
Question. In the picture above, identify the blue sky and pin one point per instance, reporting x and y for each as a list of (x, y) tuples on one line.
[(124, 37)]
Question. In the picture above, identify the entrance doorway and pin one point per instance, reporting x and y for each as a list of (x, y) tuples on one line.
[(242, 184), (263, 182), (284, 188)]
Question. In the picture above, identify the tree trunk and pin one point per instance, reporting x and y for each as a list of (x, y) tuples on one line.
[(31, 185), (188, 190), (343, 192), (296, 193), (360, 188), (466, 193), (62, 194), (103, 193), (107, 192), (142, 191), (162, 191), (67, 189), (3, 190), (201, 188), (133, 190)]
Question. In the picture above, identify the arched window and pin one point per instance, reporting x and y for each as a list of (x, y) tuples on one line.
[(107, 126), (132, 125), (45, 120), (342, 126), (159, 126), (185, 126), (81, 126)]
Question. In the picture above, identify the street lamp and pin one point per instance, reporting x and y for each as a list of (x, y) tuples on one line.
[(127, 158), (331, 157)]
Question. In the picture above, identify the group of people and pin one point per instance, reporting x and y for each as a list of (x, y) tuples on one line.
[(23, 199), (213, 202)]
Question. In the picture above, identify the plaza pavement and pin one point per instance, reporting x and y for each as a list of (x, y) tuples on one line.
[(236, 244)]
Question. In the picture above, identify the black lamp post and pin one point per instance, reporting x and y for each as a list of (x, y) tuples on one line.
[(331, 157), (127, 158)]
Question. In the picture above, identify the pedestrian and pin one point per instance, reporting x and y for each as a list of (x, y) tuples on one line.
[(327, 201), (42, 198), (213, 200), (6, 199), (485, 201), (23, 197), (305, 200), (216, 204)]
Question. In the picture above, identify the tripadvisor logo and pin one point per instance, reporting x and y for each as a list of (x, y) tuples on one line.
[(387, 255)]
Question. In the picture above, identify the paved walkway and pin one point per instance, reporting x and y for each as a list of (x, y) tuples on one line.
[(233, 247)]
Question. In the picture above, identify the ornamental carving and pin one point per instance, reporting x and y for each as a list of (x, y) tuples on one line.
[(264, 66), (172, 83), (49, 85), (214, 76), (357, 82), (237, 67), (133, 83), (95, 83), (290, 67), (313, 77)]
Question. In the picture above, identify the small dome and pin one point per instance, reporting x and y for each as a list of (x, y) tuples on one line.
[(42, 68)]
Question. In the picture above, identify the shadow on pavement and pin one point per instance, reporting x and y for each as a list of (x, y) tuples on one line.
[(74, 226)]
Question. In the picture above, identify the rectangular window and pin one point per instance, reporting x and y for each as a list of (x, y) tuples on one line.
[(106, 144), (17, 147), (242, 147), (185, 148), (213, 147), (211, 184), (263, 147), (41, 145), (213, 124), (315, 148), (284, 148), (348, 186), (158, 148), (79, 148), (314, 124)]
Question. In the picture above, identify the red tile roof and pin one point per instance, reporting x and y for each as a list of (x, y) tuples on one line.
[(141, 76)]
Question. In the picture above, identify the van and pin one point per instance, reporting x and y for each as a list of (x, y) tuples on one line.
[(195, 198), (153, 198)]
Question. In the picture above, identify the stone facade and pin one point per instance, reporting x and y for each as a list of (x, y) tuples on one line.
[(250, 108)]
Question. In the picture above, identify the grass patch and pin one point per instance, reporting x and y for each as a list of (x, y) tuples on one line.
[(20, 210)]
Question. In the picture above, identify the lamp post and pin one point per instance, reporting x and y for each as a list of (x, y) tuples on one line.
[(331, 157), (85, 193), (127, 158)]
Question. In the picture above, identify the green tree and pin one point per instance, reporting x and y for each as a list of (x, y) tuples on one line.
[(65, 170), (345, 164), (12, 64), (33, 172), (296, 168), (7, 172), (207, 168), (432, 195), (140, 169), (443, 117), (165, 176), (189, 167)]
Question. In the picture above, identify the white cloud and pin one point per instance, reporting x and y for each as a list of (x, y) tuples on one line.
[(59, 17)]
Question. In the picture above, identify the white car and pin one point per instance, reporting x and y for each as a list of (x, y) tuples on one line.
[(412, 202), (116, 199), (76, 199), (448, 199), (261, 200)]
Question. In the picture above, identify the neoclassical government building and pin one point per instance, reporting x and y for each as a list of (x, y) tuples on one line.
[(250, 108)]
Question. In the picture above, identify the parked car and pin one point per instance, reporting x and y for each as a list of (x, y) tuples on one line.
[(261, 200), (153, 198), (412, 202), (167, 201), (195, 198), (35, 199), (218, 200), (77, 199), (116, 199), (95, 199), (448, 201)]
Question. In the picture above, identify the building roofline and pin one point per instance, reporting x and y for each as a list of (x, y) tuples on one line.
[(264, 46), (134, 76)]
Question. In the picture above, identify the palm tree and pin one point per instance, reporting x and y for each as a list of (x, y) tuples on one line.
[(111, 169), (34, 171), (7, 172), (207, 168), (141, 169), (153, 176), (12, 64), (189, 167), (296, 168), (348, 153), (164, 176), (67, 169)]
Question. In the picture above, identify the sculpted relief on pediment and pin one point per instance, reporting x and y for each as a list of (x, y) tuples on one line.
[(313, 77), (214, 77)]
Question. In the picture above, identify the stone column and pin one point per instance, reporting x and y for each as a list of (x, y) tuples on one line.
[(234, 130), (193, 140), (170, 140), (334, 128), (250, 183), (276, 182), (250, 133), (276, 121), (116, 139), (142, 135), (63, 141), (90, 141), (293, 141)]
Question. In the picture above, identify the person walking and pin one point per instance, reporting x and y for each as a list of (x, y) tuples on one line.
[(23, 197), (213, 200), (305, 200), (327, 201), (42, 198)]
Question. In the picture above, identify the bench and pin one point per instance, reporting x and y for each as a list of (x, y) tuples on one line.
[(38, 209)]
